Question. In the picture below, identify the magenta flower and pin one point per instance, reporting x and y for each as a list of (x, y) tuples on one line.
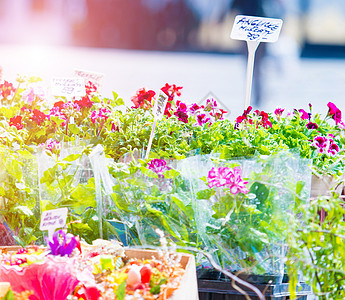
[(237, 184), (101, 115), (278, 112), (334, 112), (312, 125), (219, 177), (303, 114), (224, 176), (63, 246), (333, 149), (321, 144), (158, 166), (181, 112), (193, 109)]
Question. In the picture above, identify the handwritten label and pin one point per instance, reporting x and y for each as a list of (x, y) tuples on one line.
[(160, 105), (68, 87), (250, 28), (96, 78), (52, 219)]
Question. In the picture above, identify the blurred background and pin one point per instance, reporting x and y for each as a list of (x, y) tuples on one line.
[(146, 43)]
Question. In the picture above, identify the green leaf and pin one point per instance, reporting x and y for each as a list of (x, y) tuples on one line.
[(72, 157), (205, 194), (73, 128), (156, 288), (121, 291), (8, 296)]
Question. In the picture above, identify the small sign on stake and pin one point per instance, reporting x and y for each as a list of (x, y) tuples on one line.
[(254, 30), (96, 78), (158, 112), (68, 87), (53, 219)]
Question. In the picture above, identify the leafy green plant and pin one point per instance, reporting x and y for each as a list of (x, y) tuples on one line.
[(316, 248)]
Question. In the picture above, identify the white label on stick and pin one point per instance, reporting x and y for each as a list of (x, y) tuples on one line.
[(160, 105), (52, 219), (250, 28), (68, 87), (96, 78)]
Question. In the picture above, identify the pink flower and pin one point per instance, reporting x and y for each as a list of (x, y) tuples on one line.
[(224, 176), (158, 166), (278, 112), (333, 149), (237, 184), (51, 279), (321, 143), (193, 109), (181, 112), (52, 145), (334, 112), (101, 115), (34, 91), (219, 177), (303, 114)]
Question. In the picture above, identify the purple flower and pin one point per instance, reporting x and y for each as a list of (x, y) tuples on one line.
[(224, 176), (158, 166), (312, 125), (63, 246)]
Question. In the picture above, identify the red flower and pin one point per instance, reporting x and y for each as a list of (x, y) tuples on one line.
[(265, 122), (168, 110), (85, 102), (334, 112), (90, 88), (17, 122), (59, 105), (38, 116), (6, 89), (171, 91), (143, 99), (244, 115)]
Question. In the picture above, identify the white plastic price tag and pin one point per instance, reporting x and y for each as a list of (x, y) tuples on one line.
[(53, 219), (254, 30), (96, 78), (68, 87)]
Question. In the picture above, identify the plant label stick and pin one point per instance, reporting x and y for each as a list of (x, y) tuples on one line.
[(68, 87), (52, 219), (254, 30), (158, 112), (96, 78)]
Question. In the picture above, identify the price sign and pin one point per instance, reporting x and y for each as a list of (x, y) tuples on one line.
[(254, 30), (160, 105), (68, 87), (249, 28), (158, 112), (53, 219), (96, 78)]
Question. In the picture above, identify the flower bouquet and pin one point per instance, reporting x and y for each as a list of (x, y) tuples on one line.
[(68, 269), (243, 208)]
